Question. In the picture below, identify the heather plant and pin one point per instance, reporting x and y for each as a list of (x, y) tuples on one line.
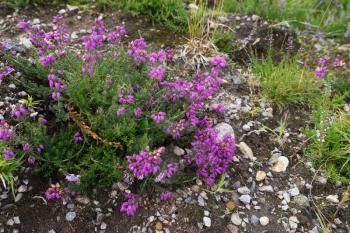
[(126, 110), (334, 72)]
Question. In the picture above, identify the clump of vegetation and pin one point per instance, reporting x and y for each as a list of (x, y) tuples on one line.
[(125, 110), (330, 148), (286, 82)]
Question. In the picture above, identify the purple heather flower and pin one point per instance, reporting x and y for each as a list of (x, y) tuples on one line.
[(177, 128), (321, 72), (348, 81), (137, 112), (338, 63), (18, 111), (56, 95), (25, 148), (219, 62), (137, 49), (40, 148), (131, 204), (78, 138), (73, 178), (160, 116), (169, 54), (31, 160), (166, 196), (157, 72), (212, 156), (121, 30), (323, 60), (126, 100), (157, 57), (8, 154), (121, 111), (220, 108), (5, 133), (168, 172), (42, 121), (47, 60), (8, 70), (145, 163), (23, 25)]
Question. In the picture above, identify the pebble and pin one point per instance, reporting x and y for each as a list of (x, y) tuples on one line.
[(294, 192), (266, 188), (245, 199), (178, 151), (246, 151), (22, 189), (52, 231), (103, 226), (231, 205), (232, 228), (260, 176), (333, 198), (293, 222), (223, 129), (264, 220), (302, 201), (10, 222), (243, 190), (70, 216), (207, 221), (201, 201), (254, 220), (62, 11), (83, 200), (18, 197), (281, 164), (235, 219), (16, 220), (246, 127)]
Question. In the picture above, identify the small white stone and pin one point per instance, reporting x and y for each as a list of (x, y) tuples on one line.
[(243, 190), (281, 164), (260, 176), (245, 199), (62, 11), (207, 221), (235, 219), (333, 198), (264, 220), (246, 151), (70, 216), (294, 192), (246, 127)]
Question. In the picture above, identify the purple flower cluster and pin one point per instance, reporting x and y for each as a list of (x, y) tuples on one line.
[(212, 156), (8, 154), (177, 128), (56, 192), (145, 163), (5, 131), (166, 196), (157, 72), (131, 204), (18, 111), (73, 178), (324, 68), (56, 84), (137, 49), (321, 72), (8, 70), (168, 172), (78, 138), (159, 117)]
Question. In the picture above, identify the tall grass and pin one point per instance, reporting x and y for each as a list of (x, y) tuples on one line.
[(330, 17)]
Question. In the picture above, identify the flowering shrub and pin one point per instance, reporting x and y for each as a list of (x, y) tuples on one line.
[(333, 71), (126, 95)]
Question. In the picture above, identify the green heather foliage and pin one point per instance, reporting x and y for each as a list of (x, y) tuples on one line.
[(285, 82)]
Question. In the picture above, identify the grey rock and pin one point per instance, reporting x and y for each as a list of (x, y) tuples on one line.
[(52, 231), (10, 222), (246, 151), (201, 201), (232, 228), (16, 220), (245, 199), (266, 188), (254, 220), (223, 129), (243, 190), (178, 151), (103, 226), (236, 219), (70, 216), (302, 201), (294, 192), (99, 217), (18, 197), (332, 198)]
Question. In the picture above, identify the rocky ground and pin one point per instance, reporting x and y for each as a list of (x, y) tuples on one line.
[(270, 188)]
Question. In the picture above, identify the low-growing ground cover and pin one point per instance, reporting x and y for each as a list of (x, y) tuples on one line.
[(105, 126)]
